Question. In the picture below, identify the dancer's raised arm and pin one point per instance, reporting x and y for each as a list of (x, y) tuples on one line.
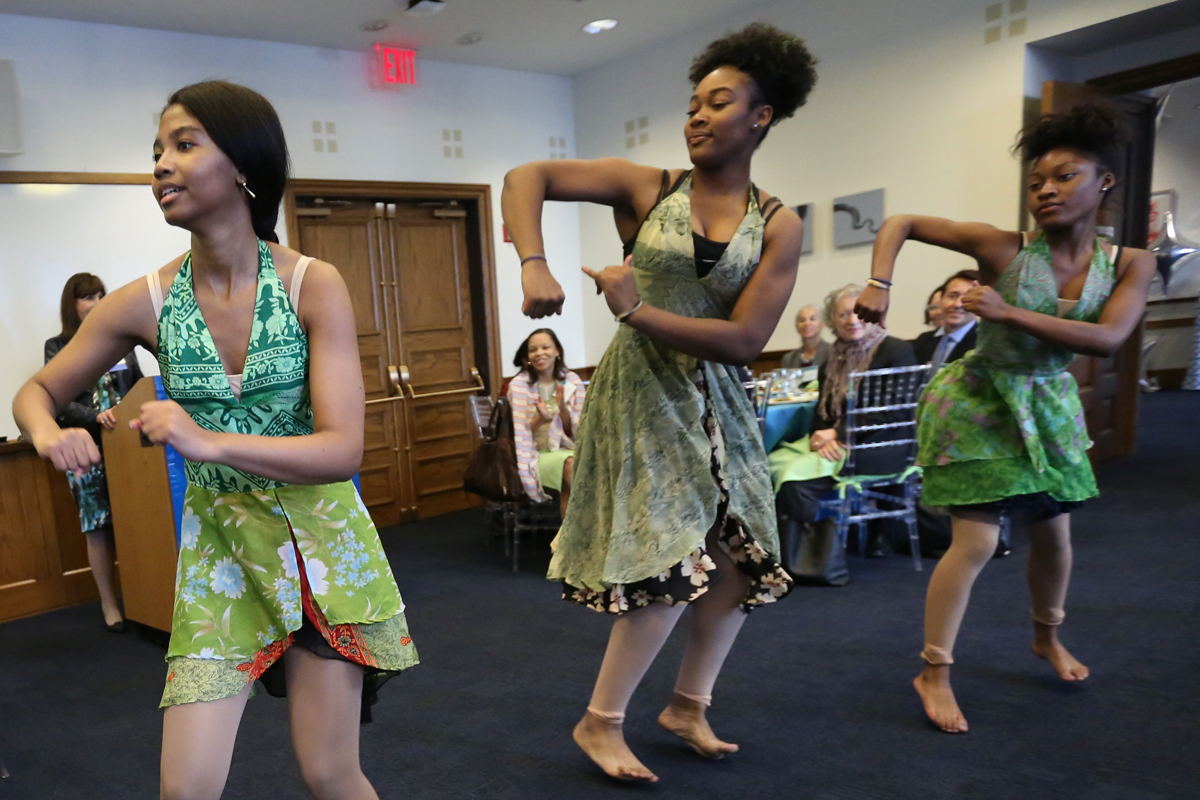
[(991, 247), (117, 323), (1100, 338), (737, 340), (607, 181)]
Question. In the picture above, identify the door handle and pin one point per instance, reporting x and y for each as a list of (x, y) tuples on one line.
[(406, 382), (394, 381)]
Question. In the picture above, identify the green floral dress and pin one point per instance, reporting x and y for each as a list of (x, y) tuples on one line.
[(668, 446), (257, 557), (1005, 421), (90, 489)]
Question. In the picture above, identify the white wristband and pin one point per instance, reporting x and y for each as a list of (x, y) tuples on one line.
[(627, 314)]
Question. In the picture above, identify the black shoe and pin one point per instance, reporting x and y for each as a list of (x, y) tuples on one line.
[(1002, 550), (116, 627), (875, 549)]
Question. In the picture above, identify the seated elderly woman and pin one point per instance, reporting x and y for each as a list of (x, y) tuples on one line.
[(805, 470), (547, 400), (813, 350)]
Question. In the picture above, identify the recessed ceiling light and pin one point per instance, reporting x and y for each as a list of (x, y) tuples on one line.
[(423, 8), (470, 38), (375, 25), (600, 26)]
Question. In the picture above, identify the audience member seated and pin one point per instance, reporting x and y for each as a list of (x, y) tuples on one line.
[(805, 470), (813, 350), (547, 400), (949, 343), (933, 309), (956, 337)]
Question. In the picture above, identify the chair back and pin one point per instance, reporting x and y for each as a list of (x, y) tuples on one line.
[(481, 411), (876, 392)]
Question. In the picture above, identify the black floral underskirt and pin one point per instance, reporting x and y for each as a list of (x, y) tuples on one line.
[(696, 573)]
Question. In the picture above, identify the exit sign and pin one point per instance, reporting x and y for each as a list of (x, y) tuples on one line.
[(395, 65)]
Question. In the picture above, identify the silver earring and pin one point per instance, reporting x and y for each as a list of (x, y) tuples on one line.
[(242, 183), (755, 126)]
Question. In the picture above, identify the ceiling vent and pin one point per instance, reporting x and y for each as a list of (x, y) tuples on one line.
[(423, 8)]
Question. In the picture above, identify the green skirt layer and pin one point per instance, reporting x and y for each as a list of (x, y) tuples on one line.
[(962, 483)]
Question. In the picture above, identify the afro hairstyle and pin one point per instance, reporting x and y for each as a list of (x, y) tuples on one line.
[(1095, 128), (781, 66)]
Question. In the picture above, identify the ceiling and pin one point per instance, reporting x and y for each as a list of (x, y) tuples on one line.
[(533, 35), (1116, 32)]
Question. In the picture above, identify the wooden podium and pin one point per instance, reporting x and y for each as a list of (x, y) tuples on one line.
[(143, 514)]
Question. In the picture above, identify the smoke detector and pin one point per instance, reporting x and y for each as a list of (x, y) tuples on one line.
[(423, 8)]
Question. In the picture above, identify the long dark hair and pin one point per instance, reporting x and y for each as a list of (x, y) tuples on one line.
[(244, 125), (521, 359), (81, 284)]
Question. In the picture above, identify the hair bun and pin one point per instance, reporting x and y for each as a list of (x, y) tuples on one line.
[(779, 63)]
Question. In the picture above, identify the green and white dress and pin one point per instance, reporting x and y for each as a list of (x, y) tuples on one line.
[(261, 561), (668, 446), (1002, 429)]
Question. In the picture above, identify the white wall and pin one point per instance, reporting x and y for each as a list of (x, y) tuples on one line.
[(88, 98), (909, 98)]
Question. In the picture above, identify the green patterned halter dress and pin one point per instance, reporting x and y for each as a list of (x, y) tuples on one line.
[(1005, 421), (258, 557), (668, 446)]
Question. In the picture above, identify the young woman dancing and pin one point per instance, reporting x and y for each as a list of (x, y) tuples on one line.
[(259, 358), (1001, 431), (671, 488)]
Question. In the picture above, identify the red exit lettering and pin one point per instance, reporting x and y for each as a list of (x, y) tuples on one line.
[(396, 65)]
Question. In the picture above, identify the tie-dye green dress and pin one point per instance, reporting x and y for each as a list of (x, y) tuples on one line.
[(257, 557), (668, 446), (1003, 428)]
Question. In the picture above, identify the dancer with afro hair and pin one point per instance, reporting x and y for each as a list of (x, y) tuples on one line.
[(1001, 431), (671, 488)]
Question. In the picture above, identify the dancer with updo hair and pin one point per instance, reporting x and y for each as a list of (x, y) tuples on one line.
[(1001, 431), (671, 489)]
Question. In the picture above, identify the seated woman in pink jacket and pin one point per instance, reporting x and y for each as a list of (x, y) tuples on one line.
[(547, 400)]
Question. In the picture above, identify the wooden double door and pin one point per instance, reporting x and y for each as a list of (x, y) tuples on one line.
[(408, 268)]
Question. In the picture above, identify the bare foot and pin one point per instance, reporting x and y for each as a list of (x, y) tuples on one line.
[(686, 719), (1046, 645), (604, 743), (940, 706)]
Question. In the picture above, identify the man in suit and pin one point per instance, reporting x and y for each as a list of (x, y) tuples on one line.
[(956, 337), (949, 343)]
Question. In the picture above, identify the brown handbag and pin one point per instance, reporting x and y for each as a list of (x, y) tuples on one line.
[(492, 471)]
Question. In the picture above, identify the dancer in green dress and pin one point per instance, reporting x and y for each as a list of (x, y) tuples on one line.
[(259, 358), (671, 489), (1001, 431)]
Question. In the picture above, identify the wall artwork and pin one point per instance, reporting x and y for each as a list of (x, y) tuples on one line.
[(857, 217), (805, 212), (1161, 204)]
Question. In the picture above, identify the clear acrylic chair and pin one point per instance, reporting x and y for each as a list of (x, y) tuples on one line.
[(857, 500)]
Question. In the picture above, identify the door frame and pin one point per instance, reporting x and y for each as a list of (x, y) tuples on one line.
[(481, 253)]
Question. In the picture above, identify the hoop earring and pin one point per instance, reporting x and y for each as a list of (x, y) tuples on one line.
[(242, 183)]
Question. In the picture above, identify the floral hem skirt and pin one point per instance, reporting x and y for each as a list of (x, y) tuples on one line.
[(685, 581), (383, 649)]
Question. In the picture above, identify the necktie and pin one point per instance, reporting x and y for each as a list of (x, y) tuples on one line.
[(939, 355)]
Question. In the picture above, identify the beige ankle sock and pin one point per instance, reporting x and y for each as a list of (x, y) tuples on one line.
[(612, 718), (704, 700)]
